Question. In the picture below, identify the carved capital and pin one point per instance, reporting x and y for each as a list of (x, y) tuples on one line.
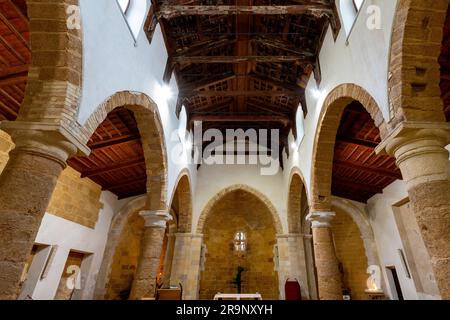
[(320, 219), (156, 218)]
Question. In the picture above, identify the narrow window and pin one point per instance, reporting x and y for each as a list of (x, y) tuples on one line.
[(240, 241)]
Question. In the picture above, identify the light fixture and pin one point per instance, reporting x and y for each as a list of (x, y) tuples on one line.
[(293, 145)]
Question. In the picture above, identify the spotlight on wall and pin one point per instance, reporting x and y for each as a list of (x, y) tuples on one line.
[(316, 93), (165, 92), (293, 145)]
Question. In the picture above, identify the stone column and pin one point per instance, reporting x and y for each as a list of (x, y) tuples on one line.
[(186, 263), (424, 163), (26, 186), (328, 275), (144, 282), (169, 254)]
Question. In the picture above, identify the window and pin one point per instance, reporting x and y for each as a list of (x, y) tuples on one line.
[(358, 4), (349, 12), (124, 5), (134, 12), (240, 241)]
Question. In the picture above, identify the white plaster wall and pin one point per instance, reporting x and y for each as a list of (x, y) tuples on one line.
[(387, 236), (361, 58), (114, 61), (68, 235), (214, 178)]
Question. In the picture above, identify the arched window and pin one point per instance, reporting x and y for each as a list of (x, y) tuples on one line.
[(124, 5), (358, 4), (134, 12), (349, 12), (240, 241)]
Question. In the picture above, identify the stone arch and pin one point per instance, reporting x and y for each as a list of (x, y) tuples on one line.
[(329, 120), (152, 136), (414, 91), (183, 192), (55, 75), (207, 209), (358, 216), (117, 225), (295, 189)]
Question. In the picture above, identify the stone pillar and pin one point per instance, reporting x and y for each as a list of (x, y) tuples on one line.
[(26, 186), (186, 263), (424, 163), (169, 255), (144, 282), (327, 266), (291, 262)]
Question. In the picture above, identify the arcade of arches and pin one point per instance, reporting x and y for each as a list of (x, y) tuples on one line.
[(99, 181)]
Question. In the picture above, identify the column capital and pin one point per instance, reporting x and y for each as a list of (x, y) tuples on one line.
[(155, 218), (419, 149), (418, 133), (320, 219), (51, 128), (47, 144)]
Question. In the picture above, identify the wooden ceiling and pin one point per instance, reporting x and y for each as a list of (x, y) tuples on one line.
[(445, 67), (117, 160), (15, 56), (243, 63), (358, 173), (236, 69)]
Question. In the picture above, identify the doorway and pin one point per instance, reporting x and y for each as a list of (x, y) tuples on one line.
[(394, 283)]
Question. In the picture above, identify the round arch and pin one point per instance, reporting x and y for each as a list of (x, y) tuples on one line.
[(183, 192), (207, 209), (152, 136), (323, 152), (414, 68), (294, 204)]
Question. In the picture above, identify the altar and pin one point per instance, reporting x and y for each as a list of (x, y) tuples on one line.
[(238, 296)]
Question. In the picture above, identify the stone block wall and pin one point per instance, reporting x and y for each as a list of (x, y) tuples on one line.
[(126, 258), (235, 212), (351, 254), (5, 146), (76, 199)]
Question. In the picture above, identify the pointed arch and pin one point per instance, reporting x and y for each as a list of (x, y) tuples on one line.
[(296, 191), (182, 194), (207, 209)]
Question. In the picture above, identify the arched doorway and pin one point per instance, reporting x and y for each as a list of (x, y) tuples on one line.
[(351, 255), (176, 267), (239, 232), (298, 209)]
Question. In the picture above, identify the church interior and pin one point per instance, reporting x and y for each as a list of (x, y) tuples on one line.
[(224, 149)]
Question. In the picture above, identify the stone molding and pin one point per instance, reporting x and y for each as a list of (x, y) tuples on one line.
[(321, 219), (155, 218)]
